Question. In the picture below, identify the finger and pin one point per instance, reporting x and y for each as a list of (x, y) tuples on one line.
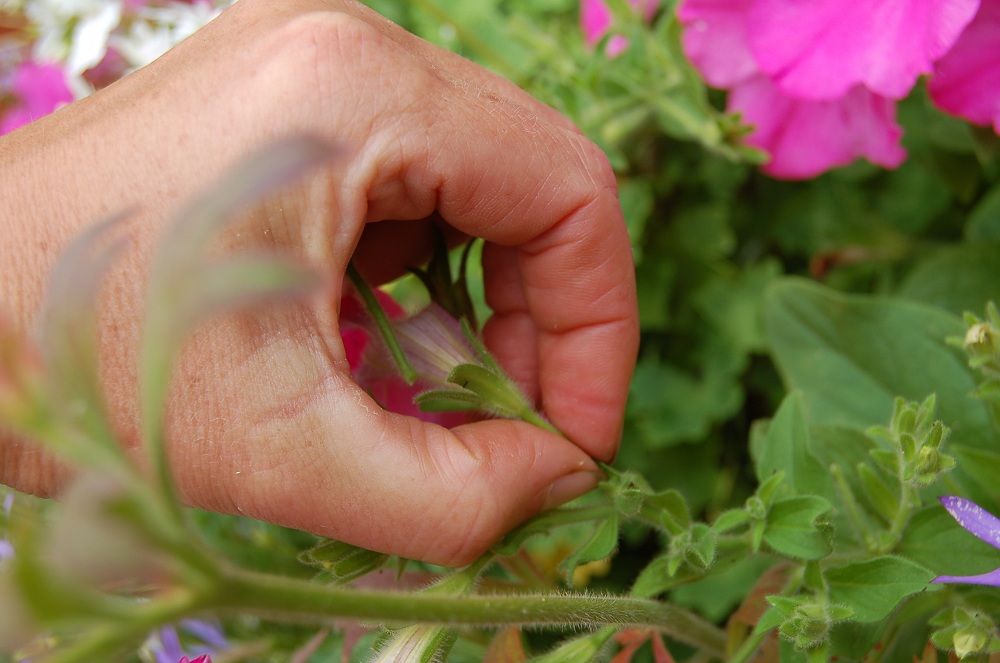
[(510, 332)]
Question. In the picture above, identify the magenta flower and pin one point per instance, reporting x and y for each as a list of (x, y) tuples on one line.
[(38, 89), (822, 49), (715, 40), (806, 138), (980, 523), (596, 19), (966, 81)]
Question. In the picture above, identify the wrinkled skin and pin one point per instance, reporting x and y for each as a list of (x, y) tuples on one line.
[(264, 419)]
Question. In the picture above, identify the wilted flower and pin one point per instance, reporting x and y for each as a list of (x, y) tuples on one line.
[(596, 19), (966, 81), (980, 523), (38, 89)]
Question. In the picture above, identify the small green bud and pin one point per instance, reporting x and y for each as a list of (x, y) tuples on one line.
[(756, 508), (968, 641)]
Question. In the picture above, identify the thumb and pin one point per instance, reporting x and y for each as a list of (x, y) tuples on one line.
[(342, 467)]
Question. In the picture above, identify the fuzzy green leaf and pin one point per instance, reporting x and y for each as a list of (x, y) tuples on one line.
[(795, 527), (875, 587)]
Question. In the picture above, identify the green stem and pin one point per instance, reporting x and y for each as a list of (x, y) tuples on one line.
[(747, 649), (297, 600), (382, 323), (530, 416), (110, 640)]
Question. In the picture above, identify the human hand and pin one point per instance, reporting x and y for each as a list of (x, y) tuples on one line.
[(264, 419)]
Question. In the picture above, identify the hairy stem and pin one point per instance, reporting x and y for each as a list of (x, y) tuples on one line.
[(290, 599)]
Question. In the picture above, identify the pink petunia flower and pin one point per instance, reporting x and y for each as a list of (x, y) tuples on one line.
[(822, 49), (966, 81), (38, 89), (806, 138), (715, 40), (596, 19)]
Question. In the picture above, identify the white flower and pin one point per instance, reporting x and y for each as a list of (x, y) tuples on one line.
[(156, 30), (74, 32)]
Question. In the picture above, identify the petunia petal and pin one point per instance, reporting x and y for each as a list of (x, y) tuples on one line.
[(978, 521), (820, 49), (991, 578), (966, 81), (806, 138), (715, 40)]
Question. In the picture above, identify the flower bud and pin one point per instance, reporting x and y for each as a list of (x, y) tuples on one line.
[(435, 345)]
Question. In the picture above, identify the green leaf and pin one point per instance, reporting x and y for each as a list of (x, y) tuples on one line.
[(449, 400), (851, 356), (785, 447), (956, 278), (717, 594), (983, 467), (670, 510), (875, 587), (934, 540), (342, 562), (795, 528), (984, 221), (602, 543)]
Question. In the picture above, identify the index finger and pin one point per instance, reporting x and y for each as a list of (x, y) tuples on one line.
[(550, 193)]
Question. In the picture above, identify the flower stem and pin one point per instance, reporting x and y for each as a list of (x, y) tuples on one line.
[(382, 323), (107, 642), (291, 599)]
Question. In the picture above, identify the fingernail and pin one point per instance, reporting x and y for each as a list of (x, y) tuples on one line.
[(569, 487)]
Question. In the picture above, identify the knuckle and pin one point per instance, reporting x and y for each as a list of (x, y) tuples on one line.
[(320, 30)]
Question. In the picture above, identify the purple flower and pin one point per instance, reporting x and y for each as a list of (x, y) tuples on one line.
[(208, 638), (980, 523), (6, 549)]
